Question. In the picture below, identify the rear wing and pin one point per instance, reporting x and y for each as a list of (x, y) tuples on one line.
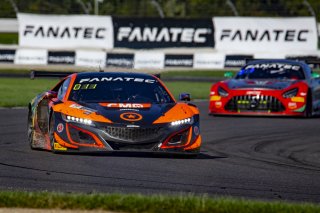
[(49, 74)]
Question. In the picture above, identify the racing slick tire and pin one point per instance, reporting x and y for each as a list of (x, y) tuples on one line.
[(30, 130)]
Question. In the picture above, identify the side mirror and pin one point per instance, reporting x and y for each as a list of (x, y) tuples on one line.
[(315, 75), (51, 94), (184, 97), (228, 74)]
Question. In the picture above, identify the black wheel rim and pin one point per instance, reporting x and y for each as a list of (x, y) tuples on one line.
[(51, 132)]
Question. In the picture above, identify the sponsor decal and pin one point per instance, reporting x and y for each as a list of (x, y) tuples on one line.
[(292, 105), (178, 60), (253, 92), (65, 31), (126, 105), (60, 127), (61, 57), (7, 56), (298, 99), (215, 98), (278, 66), (57, 146), (265, 34), (236, 60), (133, 126), (144, 33), (120, 60), (131, 116), (76, 106), (123, 79)]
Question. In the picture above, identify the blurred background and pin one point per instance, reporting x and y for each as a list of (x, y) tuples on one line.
[(164, 8)]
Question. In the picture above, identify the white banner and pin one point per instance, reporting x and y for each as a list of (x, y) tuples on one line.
[(256, 34), (30, 56), (94, 59), (65, 31), (208, 61), (148, 60)]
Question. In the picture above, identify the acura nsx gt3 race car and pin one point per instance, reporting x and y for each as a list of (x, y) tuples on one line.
[(268, 87), (97, 111)]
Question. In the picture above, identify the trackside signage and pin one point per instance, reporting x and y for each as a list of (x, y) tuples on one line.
[(90, 58), (65, 31), (145, 33), (244, 34), (148, 60)]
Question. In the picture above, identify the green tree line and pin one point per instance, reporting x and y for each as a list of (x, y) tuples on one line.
[(169, 8)]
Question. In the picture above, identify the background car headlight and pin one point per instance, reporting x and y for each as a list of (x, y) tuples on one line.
[(222, 92), (291, 93), (182, 121)]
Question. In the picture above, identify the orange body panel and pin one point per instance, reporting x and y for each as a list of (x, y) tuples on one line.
[(178, 112)]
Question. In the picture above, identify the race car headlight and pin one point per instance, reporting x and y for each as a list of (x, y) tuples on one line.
[(222, 92), (79, 120), (291, 93), (182, 122)]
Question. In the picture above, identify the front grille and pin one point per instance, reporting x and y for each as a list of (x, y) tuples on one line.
[(254, 103), (133, 134)]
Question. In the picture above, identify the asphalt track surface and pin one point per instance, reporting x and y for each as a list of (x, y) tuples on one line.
[(252, 157)]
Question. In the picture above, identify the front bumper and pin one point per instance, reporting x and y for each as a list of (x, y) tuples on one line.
[(105, 137), (266, 103)]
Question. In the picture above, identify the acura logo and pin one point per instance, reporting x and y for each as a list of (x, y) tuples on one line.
[(131, 116)]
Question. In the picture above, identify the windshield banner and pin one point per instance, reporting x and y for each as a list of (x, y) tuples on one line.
[(257, 34)]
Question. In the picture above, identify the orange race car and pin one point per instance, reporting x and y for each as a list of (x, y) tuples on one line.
[(106, 112)]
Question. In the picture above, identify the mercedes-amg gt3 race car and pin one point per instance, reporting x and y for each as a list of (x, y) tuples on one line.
[(268, 87), (100, 111)]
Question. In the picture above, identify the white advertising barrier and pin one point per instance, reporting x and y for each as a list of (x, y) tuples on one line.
[(247, 34), (208, 60), (94, 59), (148, 60), (65, 31), (31, 56)]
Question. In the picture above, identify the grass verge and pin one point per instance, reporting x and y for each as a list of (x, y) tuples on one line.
[(151, 204), (19, 91), (9, 38)]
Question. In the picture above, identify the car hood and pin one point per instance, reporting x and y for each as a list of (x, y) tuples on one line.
[(260, 84), (126, 113), (130, 113)]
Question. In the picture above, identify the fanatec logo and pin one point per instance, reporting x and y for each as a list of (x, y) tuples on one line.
[(64, 32), (264, 35), (165, 34)]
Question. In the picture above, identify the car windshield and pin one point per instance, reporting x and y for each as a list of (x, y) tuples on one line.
[(119, 90), (271, 71)]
